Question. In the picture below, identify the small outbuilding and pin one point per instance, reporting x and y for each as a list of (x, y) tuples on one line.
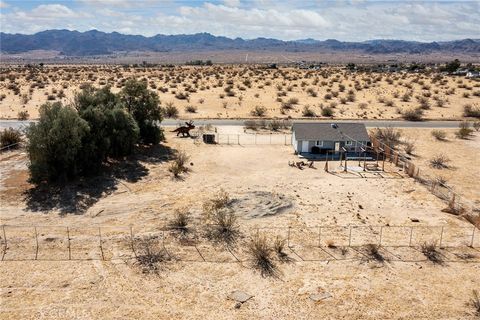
[(322, 138)]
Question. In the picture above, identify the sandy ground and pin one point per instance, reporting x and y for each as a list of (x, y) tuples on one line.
[(261, 182), (463, 172), (376, 96)]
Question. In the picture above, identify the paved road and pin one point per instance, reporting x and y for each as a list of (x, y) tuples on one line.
[(235, 122)]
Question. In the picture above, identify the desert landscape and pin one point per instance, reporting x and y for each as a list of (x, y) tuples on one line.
[(253, 91), (270, 199), (235, 159)]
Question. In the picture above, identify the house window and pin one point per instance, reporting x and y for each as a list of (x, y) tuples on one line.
[(348, 143), (319, 143)]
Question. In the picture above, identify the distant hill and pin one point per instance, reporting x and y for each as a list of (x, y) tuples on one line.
[(89, 43)]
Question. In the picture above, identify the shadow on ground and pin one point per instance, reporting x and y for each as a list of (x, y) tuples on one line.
[(77, 196)]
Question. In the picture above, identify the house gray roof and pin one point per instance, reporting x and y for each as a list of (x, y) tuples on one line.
[(330, 131)]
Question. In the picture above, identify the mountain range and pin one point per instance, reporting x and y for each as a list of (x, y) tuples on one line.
[(90, 43)]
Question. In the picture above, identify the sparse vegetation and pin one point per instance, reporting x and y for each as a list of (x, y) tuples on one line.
[(150, 255), (429, 249), (440, 135), (10, 137), (179, 164), (440, 161), (262, 256)]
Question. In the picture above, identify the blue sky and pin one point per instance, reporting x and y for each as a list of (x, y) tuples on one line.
[(348, 20)]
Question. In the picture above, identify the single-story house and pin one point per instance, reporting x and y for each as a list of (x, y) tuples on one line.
[(320, 138)]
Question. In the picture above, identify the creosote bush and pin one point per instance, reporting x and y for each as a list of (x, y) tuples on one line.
[(10, 137), (23, 115), (259, 111)]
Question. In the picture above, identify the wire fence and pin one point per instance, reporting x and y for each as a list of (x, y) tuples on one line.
[(457, 204), (316, 243), (253, 139)]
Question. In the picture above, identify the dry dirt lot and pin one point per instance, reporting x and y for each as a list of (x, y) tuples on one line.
[(267, 193), (462, 172), (234, 91)]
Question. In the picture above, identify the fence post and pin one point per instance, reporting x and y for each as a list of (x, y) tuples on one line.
[(238, 139), (100, 242), (255, 138), (36, 240), (131, 241), (68, 239), (5, 244)]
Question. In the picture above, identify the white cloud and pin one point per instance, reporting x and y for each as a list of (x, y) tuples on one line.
[(349, 20), (3, 4)]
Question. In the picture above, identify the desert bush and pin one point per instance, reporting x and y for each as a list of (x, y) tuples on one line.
[(464, 131), (180, 221), (250, 124), (439, 161), (150, 255), (413, 114), (275, 125), (23, 115), (170, 111), (308, 112), (292, 101), (191, 109), (439, 134), (55, 144), (258, 111), (430, 251), (389, 136), (327, 112), (262, 256), (179, 164), (471, 111), (373, 251), (10, 137), (223, 227)]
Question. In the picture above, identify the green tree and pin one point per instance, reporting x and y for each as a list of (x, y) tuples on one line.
[(123, 132), (144, 105), (92, 97), (55, 143), (452, 66)]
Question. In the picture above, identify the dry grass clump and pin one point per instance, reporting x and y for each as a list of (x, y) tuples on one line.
[(440, 161), (439, 135), (170, 111), (389, 136), (190, 109), (262, 256), (178, 165), (180, 221), (413, 114), (23, 115), (464, 130), (258, 111), (150, 255), (222, 226), (308, 112), (471, 111), (279, 248), (475, 302), (373, 251), (430, 251), (10, 137)]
